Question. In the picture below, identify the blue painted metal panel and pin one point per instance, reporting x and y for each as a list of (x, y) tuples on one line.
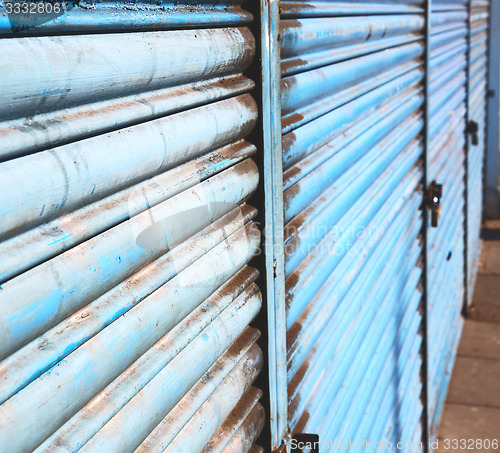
[(477, 105), (125, 291), (447, 256), (87, 16), (352, 121), (126, 294)]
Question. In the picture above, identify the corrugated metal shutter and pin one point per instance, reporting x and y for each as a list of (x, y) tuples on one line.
[(352, 118), (478, 87), (446, 166), (126, 295)]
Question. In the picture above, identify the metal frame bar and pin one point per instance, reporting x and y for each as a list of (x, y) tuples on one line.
[(466, 161), (425, 322), (492, 180), (274, 221)]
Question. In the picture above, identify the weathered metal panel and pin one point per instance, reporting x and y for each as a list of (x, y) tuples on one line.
[(126, 294), (87, 16), (447, 161), (477, 106), (352, 121)]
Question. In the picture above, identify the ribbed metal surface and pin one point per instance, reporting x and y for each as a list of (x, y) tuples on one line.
[(478, 86), (125, 237), (128, 15), (448, 61), (352, 122)]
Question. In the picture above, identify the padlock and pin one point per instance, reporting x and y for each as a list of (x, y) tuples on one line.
[(473, 129), (434, 194)]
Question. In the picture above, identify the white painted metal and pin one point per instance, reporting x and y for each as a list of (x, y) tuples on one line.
[(126, 294)]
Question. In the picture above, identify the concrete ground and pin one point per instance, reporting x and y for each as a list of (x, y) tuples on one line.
[(472, 408)]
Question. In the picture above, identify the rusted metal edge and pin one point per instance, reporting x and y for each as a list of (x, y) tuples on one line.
[(274, 221), (466, 160), (426, 281)]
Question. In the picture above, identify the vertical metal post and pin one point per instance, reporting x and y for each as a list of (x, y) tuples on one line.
[(274, 220), (466, 161), (425, 324)]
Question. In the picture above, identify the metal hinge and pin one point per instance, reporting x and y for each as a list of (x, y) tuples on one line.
[(434, 194), (472, 128)]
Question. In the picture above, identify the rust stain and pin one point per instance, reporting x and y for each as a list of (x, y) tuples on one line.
[(291, 173), (292, 65), (291, 119)]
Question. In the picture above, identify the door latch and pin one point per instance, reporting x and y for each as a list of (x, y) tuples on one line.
[(473, 129), (434, 194)]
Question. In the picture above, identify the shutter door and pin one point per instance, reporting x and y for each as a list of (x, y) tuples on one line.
[(446, 166), (126, 294), (478, 87), (352, 121)]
